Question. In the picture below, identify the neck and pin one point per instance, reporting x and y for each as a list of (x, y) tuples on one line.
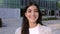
[(32, 24)]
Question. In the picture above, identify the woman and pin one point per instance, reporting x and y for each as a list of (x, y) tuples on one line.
[(32, 21)]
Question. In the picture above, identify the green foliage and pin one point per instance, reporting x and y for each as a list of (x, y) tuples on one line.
[(50, 18), (58, 5)]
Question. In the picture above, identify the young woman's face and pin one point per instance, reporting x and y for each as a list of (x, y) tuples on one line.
[(32, 13)]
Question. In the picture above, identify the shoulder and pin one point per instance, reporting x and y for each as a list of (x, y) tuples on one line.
[(18, 30), (46, 29)]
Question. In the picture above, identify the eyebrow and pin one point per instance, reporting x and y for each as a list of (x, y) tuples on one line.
[(34, 9)]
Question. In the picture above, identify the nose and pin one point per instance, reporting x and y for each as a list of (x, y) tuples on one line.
[(32, 13)]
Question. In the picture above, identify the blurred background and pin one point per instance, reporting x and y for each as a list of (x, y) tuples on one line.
[(11, 14)]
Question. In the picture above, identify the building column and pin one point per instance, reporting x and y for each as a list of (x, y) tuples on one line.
[(48, 13), (55, 13)]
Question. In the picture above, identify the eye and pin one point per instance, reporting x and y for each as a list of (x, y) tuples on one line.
[(29, 11), (36, 10)]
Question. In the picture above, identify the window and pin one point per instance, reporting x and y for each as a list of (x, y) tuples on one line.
[(9, 3)]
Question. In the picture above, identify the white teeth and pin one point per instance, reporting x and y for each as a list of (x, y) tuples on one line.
[(32, 17)]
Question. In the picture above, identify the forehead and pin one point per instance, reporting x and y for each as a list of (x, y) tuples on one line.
[(32, 7)]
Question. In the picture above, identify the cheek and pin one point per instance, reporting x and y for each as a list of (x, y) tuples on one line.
[(28, 15), (37, 15)]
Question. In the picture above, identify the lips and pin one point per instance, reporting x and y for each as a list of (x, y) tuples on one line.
[(33, 17)]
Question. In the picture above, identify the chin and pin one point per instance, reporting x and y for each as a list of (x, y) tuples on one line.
[(32, 20)]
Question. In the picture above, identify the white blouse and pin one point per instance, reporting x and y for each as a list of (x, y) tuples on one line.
[(37, 30), (34, 30)]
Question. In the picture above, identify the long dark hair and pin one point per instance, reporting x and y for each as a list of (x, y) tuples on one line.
[(25, 23)]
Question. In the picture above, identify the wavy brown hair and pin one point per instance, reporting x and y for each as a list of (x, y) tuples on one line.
[(25, 23)]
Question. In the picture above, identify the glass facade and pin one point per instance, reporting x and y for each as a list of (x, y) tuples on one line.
[(9, 3), (43, 4), (47, 5)]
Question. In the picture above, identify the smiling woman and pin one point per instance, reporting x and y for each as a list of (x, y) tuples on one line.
[(32, 24)]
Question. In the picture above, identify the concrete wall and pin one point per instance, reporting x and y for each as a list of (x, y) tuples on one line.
[(10, 16), (9, 13)]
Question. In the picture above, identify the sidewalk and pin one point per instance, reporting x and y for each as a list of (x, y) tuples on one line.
[(12, 25), (54, 24)]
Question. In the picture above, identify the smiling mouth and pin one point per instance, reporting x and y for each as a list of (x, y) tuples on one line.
[(33, 18)]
